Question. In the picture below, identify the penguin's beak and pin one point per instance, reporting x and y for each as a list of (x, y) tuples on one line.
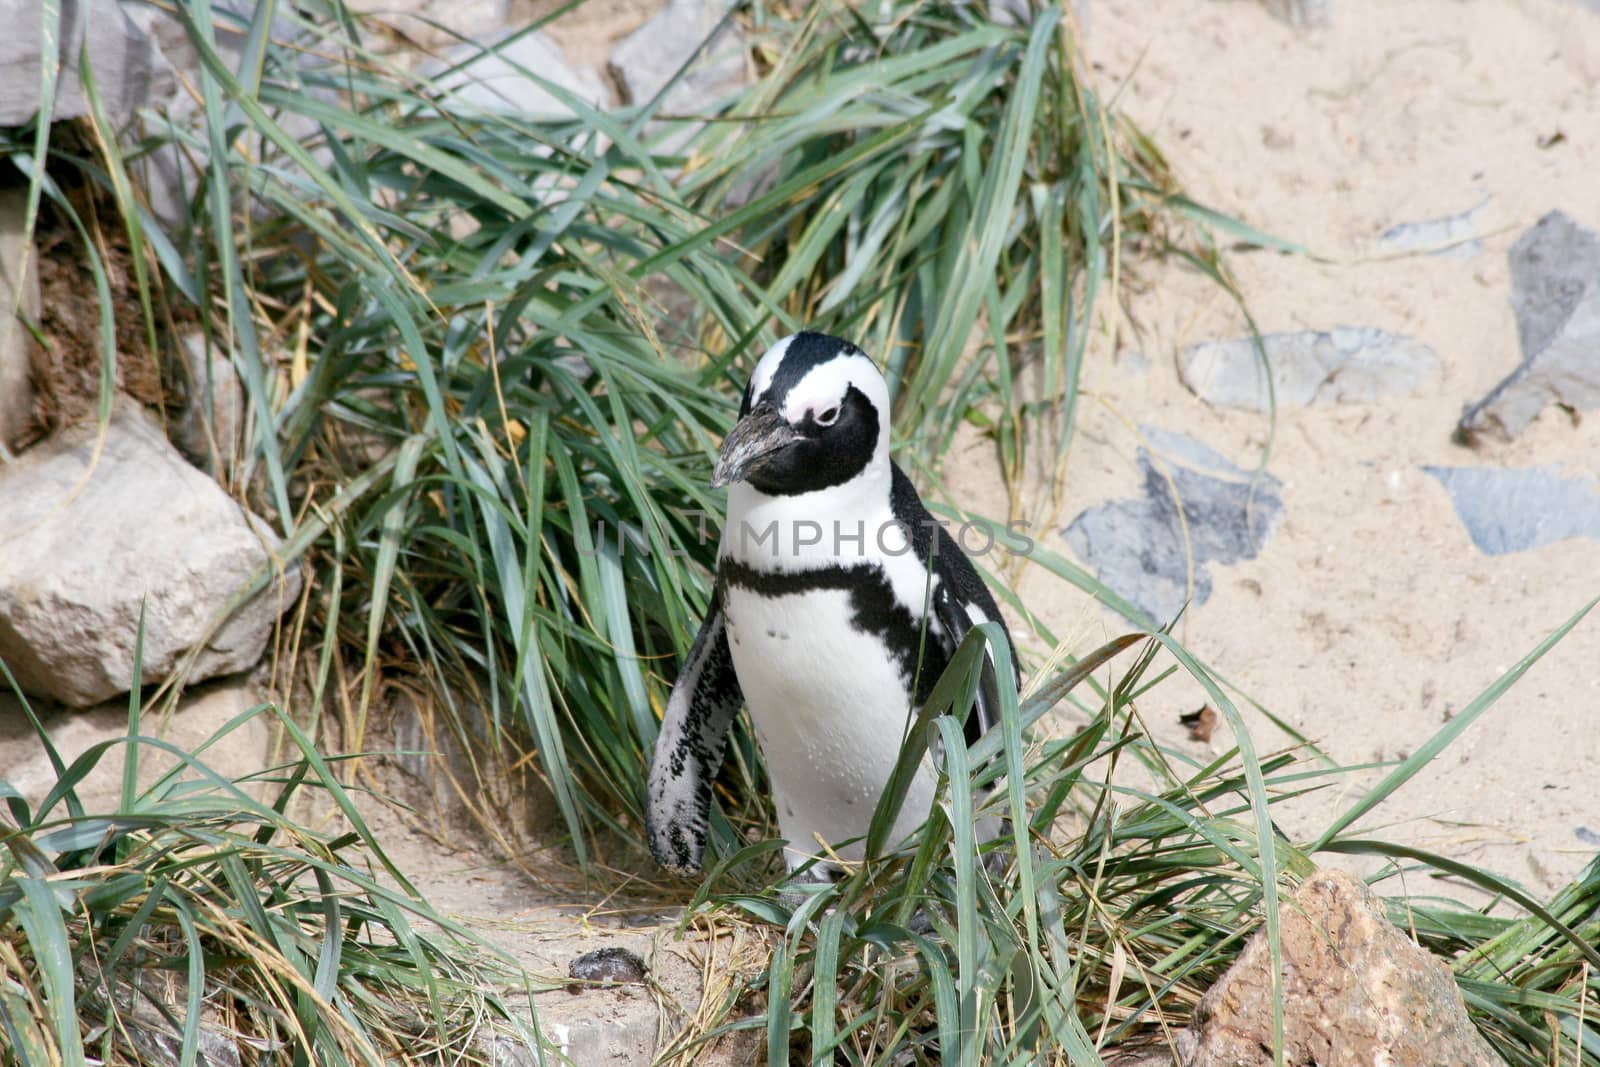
[(752, 441)]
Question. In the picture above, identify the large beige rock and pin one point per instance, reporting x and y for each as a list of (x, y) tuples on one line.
[(1356, 993), (86, 539)]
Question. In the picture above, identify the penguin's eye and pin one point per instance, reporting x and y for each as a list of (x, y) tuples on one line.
[(829, 417)]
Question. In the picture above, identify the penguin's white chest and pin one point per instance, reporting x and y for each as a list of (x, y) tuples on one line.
[(830, 707)]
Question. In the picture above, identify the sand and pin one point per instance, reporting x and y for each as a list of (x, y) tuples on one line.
[(1369, 619)]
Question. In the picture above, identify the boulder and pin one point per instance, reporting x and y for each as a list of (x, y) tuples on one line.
[(1356, 992), (1555, 292), (19, 288), (1345, 365), (96, 530), (129, 69)]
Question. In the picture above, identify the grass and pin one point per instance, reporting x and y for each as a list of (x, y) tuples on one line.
[(488, 358), (476, 408), (1125, 900), (199, 917)]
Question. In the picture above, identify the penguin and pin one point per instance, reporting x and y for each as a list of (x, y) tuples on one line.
[(837, 604)]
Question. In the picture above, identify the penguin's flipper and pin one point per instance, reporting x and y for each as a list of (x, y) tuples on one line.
[(955, 619), (694, 733)]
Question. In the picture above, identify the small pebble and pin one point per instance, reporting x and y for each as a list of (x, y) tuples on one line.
[(1587, 836), (605, 966)]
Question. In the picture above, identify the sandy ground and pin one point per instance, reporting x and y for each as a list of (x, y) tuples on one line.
[(1370, 618)]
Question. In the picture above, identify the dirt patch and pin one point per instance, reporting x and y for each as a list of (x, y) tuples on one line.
[(67, 366)]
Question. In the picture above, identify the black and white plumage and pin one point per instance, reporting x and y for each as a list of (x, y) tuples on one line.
[(828, 573)]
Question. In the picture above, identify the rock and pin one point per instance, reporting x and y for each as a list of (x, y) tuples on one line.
[(1449, 236), (647, 59), (169, 174), (197, 719), (1137, 547), (1020, 13), (500, 81), (625, 1037), (1555, 291), (606, 966), (91, 537), (211, 429), (1303, 12), (129, 69), (1507, 510), (1345, 365), (19, 271), (1356, 991), (439, 21)]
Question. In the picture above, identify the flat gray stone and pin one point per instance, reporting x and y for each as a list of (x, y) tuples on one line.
[(500, 81), (1555, 292), (1345, 365), (1448, 236), (129, 69), (90, 538), (1303, 12), (1137, 546), (1515, 510), (646, 60), (18, 271)]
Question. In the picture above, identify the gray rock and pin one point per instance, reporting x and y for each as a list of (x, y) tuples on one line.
[(1345, 365), (1515, 510), (91, 535), (1555, 291), (1020, 13), (16, 343), (1356, 991), (647, 59), (211, 429), (607, 966), (129, 69), (1303, 12), (499, 80), (170, 175), (624, 1034), (1137, 547), (439, 21), (1449, 236)]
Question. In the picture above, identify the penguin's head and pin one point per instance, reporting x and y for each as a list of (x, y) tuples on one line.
[(815, 415)]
